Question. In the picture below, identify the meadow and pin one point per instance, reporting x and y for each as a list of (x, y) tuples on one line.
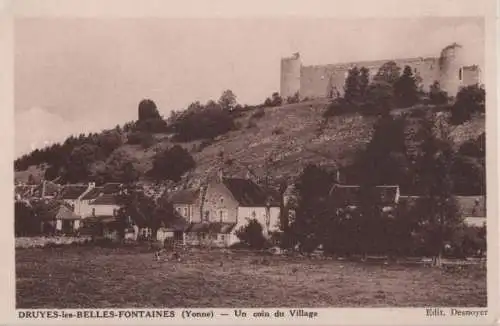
[(95, 277)]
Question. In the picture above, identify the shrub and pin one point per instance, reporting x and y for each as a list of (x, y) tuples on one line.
[(251, 124), (278, 131), (259, 113), (251, 235), (145, 139)]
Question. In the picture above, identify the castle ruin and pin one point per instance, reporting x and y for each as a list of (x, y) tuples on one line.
[(327, 81)]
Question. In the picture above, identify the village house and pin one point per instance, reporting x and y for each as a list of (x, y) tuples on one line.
[(186, 204), (86, 209), (350, 196), (72, 194), (59, 218), (228, 204), (47, 189)]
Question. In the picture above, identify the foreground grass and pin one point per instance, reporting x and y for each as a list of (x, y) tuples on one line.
[(128, 277)]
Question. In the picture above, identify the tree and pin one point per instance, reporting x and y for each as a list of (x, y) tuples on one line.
[(26, 223), (81, 157), (436, 95), (352, 89), (388, 73), (276, 99), (405, 88), (364, 81), (379, 99), (227, 100), (469, 100), (251, 235), (172, 164), (440, 211), (148, 110), (313, 213)]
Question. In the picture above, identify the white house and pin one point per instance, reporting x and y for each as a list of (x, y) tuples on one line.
[(229, 204)]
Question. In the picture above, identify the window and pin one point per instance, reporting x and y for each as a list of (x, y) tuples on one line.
[(460, 74), (207, 213), (222, 238), (254, 214), (220, 215), (93, 211), (222, 200), (115, 212), (185, 212)]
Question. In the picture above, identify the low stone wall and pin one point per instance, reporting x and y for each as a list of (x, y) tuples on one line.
[(34, 242)]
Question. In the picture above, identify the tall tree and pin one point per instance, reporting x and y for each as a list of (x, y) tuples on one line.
[(440, 212), (436, 95), (227, 100), (389, 73), (148, 110), (352, 91), (364, 81), (405, 88), (172, 164)]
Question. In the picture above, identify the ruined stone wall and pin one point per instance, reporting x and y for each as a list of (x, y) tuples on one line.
[(322, 81), (290, 76), (327, 80)]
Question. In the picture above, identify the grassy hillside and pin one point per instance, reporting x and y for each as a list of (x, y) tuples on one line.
[(292, 135)]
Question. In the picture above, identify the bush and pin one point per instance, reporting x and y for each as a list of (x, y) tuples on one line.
[(278, 131), (251, 124), (336, 107), (251, 235), (206, 123), (145, 139), (259, 113)]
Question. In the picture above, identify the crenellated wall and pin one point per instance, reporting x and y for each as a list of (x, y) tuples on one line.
[(322, 81)]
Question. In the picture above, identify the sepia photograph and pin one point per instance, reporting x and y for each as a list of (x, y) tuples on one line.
[(250, 162)]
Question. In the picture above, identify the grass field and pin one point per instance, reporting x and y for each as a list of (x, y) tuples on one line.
[(91, 277)]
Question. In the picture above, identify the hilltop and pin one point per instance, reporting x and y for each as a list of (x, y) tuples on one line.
[(292, 135)]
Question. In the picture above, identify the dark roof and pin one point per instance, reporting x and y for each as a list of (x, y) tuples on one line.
[(216, 227), (51, 189), (92, 194), (111, 188), (249, 194), (105, 199), (72, 191), (351, 194), (188, 196)]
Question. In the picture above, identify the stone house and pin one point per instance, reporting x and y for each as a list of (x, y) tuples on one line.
[(227, 205)]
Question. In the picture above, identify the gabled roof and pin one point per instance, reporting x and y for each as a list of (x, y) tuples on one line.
[(351, 194), (249, 194), (188, 196), (92, 194), (111, 188), (105, 199), (72, 191)]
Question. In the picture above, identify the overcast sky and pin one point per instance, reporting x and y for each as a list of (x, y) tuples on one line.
[(75, 75)]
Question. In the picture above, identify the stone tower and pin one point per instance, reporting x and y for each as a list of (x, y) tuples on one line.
[(451, 64), (290, 76)]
